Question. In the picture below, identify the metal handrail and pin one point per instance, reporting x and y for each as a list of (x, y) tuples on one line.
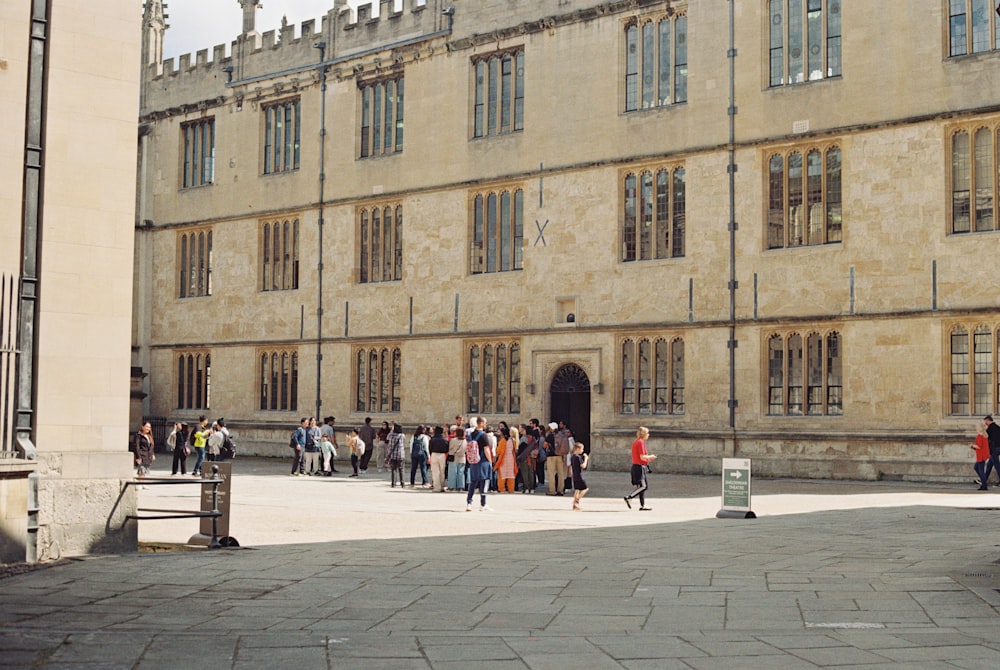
[(182, 514)]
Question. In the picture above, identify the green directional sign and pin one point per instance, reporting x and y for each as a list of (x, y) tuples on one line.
[(736, 484)]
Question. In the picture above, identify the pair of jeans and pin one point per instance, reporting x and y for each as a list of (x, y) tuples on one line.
[(456, 476), (418, 461), (201, 459)]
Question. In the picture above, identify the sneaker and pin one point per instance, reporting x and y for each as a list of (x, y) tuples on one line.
[(355, 474), (468, 508), (645, 509), (485, 508), (627, 502)]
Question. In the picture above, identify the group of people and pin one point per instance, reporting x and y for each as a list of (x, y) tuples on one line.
[(208, 441), (314, 448), (471, 457)]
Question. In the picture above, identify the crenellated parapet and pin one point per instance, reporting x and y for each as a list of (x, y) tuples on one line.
[(361, 43), (290, 52)]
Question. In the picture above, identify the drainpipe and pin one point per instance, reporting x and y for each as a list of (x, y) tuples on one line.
[(731, 169), (319, 266)]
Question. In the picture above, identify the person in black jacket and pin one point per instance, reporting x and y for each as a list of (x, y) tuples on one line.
[(993, 436)]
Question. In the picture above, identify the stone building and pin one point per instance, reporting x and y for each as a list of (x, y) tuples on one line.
[(761, 228), (69, 81)]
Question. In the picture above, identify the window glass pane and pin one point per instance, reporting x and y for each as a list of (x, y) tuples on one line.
[(506, 92), (795, 374), (519, 91), (645, 377), (631, 68), (833, 40), (677, 376), (488, 378), (776, 203), (505, 235), (960, 183), (479, 123), (814, 194), (661, 395), (491, 233), (982, 343), (648, 54), (795, 213), (376, 118), (646, 222), (777, 30), (834, 375), (663, 214), (492, 94), (501, 392), (474, 377), (814, 26), (775, 376), (389, 125), (833, 203), (956, 28), (628, 228), (959, 371), (680, 60), (366, 106), (814, 374), (984, 172), (679, 214), (981, 12), (795, 46), (628, 377), (664, 66), (518, 230), (399, 115)]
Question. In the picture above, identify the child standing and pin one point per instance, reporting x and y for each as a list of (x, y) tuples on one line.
[(357, 447), (326, 449), (578, 463), (982, 448)]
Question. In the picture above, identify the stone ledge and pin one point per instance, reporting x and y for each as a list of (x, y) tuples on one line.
[(16, 467)]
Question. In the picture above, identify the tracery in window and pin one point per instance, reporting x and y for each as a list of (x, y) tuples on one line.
[(279, 254), (380, 243), (278, 379), (804, 197), (195, 263), (804, 374), (194, 380), (496, 243), (654, 218), (652, 375), (378, 379), (494, 377)]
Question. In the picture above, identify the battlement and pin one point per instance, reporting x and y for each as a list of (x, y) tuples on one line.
[(345, 30)]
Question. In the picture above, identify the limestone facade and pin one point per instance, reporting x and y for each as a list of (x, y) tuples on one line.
[(844, 362), (68, 126)]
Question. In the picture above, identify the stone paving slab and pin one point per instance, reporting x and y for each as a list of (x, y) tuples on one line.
[(864, 575)]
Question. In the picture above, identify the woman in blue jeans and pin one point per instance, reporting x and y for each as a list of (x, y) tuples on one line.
[(418, 456)]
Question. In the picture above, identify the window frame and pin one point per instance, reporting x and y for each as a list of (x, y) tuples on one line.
[(797, 383), (644, 208), (277, 379), (497, 100), (496, 235), (197, 165), (281, 141), (651, 375), (374, 237), (278, 241), (973, 373), (823, 24), (980, 183), (648, 50), (966, 23), (380, 129), (784, 195), (376, 372), (193, 381), (493, 376), (194, 263)]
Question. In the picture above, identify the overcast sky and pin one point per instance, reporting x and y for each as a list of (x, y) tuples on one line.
[(201, 24)]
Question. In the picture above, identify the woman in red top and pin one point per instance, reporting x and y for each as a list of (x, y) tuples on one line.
[(982, 465), (640, 465)]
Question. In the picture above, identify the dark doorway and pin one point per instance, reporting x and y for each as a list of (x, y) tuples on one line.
[(569, 397)]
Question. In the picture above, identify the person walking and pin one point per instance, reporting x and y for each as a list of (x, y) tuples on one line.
[(577, 464), (367, 435), (438, 446), (456, 451), (419, 454), (178, 445), (479, 458), (981, 447), (395, 454), (993, 438), (640, 468)]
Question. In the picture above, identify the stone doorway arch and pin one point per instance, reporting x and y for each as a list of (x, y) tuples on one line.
[(569, 401)]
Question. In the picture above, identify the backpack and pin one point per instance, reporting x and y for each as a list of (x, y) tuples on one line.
[(191, 435), (472, 449), (228, 449), (417, 447)]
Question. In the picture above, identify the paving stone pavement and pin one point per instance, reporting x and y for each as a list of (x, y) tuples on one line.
[(341, 573)]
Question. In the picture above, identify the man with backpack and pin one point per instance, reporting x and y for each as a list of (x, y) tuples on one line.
[(479, 457)]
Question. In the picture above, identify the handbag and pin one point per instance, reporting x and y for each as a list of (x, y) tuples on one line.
[(187, 451)]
